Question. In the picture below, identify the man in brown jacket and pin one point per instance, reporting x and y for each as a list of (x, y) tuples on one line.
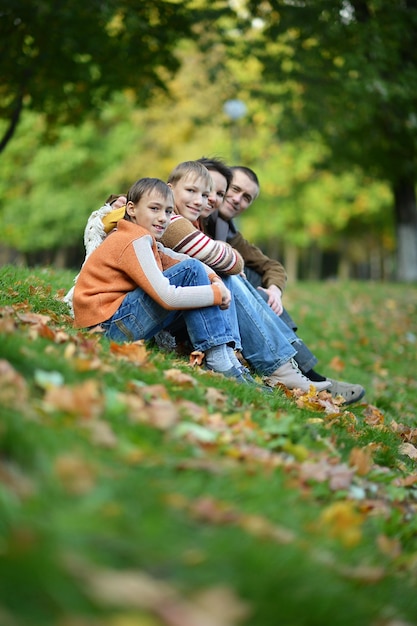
[(267, 274)]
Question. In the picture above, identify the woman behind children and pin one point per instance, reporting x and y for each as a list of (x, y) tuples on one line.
[(269, 353), (133, 287), (267, 346)]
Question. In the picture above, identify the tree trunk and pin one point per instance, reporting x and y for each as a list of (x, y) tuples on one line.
[(291, 262), (315, 257), (406, 221), (343, 267)]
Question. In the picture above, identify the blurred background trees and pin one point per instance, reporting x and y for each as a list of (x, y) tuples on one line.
[(121, 90)]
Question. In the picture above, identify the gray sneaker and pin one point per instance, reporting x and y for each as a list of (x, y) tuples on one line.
[(349, 392)]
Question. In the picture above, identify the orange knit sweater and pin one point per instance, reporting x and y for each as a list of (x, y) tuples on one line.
[(129, 258)]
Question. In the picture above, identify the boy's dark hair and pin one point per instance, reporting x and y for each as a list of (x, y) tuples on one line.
[(145, 186), (249, 173), (215, 164)]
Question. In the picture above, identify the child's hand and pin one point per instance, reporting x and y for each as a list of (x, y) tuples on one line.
[(119, 202), (226, 296)]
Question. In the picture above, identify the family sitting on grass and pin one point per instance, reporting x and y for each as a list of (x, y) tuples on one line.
[(158, 270)]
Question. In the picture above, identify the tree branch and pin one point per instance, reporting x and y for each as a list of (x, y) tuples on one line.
[(14, 120)]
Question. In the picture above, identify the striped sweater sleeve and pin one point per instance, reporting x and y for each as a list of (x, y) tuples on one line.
[(182, 236)]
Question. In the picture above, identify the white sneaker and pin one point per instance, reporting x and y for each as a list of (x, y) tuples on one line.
[(290, 375)]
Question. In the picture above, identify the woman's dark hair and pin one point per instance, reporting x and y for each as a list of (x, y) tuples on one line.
[(215, 164)]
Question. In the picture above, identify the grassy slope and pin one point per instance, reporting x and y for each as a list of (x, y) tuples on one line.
[(130, 496)]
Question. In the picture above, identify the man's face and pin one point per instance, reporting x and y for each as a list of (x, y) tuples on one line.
[(240, 195)]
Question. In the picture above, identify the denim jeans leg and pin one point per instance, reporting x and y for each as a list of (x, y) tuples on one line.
[(140, 317), (207, 326), (264, 346), (305, 359)]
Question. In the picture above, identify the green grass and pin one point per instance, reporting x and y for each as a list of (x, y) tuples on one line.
[(131, 497)]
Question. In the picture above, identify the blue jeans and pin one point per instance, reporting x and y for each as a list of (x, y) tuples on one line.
[(266, 345), (304, 357), (140, 317)]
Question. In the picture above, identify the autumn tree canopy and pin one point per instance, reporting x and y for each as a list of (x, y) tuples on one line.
[(65, 58), (347, 70)]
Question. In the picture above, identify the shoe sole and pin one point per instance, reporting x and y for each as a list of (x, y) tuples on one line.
[(353, 400)]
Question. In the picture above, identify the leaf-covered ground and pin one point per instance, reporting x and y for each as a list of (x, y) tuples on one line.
[(136, 490)]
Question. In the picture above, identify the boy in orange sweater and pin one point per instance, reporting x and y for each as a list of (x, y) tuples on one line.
[(133, 287)]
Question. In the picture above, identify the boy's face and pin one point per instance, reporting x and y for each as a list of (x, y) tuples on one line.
[(153, 212), (217, 194), (191, 197), (240, 195)]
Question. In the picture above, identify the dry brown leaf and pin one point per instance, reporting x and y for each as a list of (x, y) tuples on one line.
[(337, 364), (158, 412), (216, 397), (13, 387), (407, 481), (196, 358), (149, 392), (84, 400), (361, 460), (390, 546), (259, 526), (41, 330), (314, 471), (373, 416), (101, 433), (135, 352), (86, 364), (76, 474), (137, 590), (197, 412), (178, 377), (222, 604), (213, 511), (340, 477), (135, 405), (7, 321), (34, 318), (255, 454), (408, 450), (406, 432), (317, 401), (161, 414)]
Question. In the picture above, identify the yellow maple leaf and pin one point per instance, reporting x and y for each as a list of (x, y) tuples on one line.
[(343, 522)]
